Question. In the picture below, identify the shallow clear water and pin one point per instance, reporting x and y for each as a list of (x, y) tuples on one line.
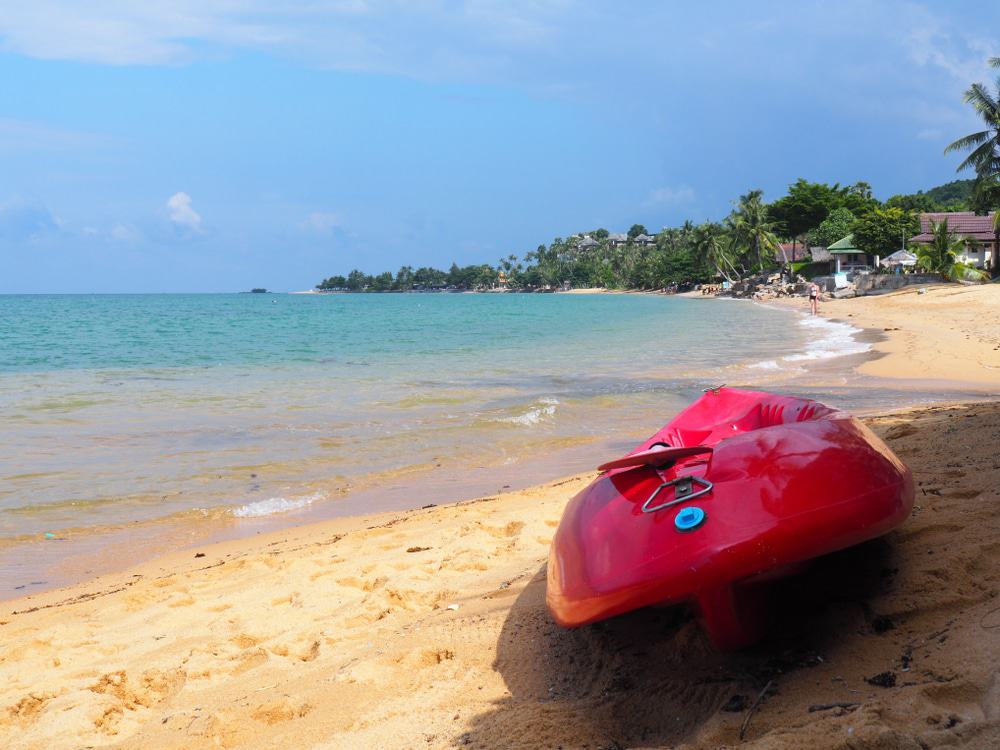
[(130, 408)]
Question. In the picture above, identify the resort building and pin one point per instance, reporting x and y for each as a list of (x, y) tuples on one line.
[(846, 257), (617, 239), (978, 229)]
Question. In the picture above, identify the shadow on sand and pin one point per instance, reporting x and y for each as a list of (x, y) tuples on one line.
[(651, 677)]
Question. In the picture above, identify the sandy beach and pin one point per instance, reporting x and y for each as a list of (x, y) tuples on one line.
[(427, 628), (940, 332)]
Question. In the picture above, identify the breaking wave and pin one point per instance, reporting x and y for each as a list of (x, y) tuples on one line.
[(274, 505), (541, 409)]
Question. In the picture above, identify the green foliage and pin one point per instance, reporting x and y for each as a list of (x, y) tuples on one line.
[(808, 269), (835, 226), (635, 230), (357, 280), (984, 145), (882, 231), (808, 204), (751, 232), (952, 196), (334, 282)]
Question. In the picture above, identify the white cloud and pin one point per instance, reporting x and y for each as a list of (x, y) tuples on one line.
[(182, 214), (358, 35), (123, 233), (933, 42), (665, 196), (321, 222), (24, 221)]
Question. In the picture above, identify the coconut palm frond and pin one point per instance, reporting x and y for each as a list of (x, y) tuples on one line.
[(970, 141), (983, 101), (965, 272), (982, 159)]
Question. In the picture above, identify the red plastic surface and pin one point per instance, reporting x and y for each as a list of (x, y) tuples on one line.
[(792, 480)]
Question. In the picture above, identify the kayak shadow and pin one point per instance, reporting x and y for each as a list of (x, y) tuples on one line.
[(651, 677)]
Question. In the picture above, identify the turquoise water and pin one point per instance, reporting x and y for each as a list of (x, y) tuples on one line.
[(125, 409)]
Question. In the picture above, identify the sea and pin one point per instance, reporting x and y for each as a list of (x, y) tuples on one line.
[(131, 425)]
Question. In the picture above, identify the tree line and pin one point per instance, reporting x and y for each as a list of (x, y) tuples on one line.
[(744, 243), (747, 241)]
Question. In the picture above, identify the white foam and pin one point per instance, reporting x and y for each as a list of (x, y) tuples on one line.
[(833, 339), (546, 407), (274, 505), (767, 364)]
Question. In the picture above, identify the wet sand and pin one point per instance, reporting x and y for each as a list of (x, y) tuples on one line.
[(428, 628)]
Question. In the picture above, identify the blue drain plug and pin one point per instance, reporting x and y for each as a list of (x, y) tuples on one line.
[(689, 518)]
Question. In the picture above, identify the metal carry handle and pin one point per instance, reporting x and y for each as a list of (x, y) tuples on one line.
[(680, 483)]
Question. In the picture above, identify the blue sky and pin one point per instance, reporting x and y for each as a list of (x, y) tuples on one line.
[(215, 145)]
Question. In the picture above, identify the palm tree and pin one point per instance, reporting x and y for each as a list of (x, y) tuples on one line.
[(752, 232), (984, 146), (940, 255), (711, 243)]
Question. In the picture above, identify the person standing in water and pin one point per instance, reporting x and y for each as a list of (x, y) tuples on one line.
[(813, 296)]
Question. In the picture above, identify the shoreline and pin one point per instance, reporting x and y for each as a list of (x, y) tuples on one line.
[(428, 628), (949, 342), (88, 557)]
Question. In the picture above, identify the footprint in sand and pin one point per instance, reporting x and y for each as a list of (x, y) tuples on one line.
[(280, 711)]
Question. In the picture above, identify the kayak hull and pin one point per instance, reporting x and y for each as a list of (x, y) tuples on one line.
[(791, 480)]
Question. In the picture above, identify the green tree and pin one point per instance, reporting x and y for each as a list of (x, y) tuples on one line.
[(382, 282), (404, 279), (834, 227), (984, 145), (357, 280), (940, 255), (714, 248), (751, 233), (882, 231), (636, 230), (805, 206)]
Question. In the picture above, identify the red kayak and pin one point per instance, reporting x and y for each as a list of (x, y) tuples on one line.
[(740, 488)]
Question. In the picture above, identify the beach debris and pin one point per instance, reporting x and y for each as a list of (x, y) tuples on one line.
[(827, 706), (882, 679), (199, 554), (429, 505), (452, 607), (753, 708), (417, 549)]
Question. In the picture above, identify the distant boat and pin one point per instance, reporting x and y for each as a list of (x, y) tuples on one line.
[(258, 290)]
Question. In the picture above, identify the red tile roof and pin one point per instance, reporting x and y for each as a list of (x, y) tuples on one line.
[(959, 222)]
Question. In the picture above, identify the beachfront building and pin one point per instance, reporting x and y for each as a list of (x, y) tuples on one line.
[(587, 243), (846, 257), (617, 239), (982, 242), (644, 240)]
